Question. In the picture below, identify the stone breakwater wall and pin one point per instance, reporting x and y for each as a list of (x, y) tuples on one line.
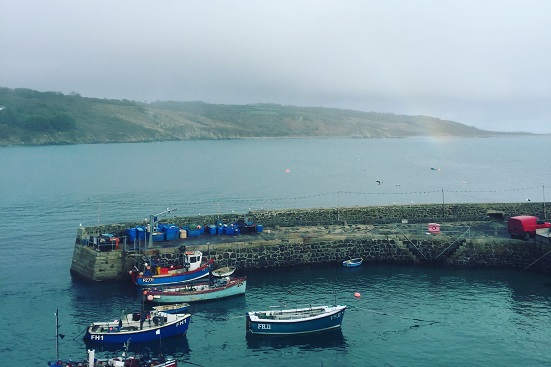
[(396, 213), (418, 213), (393, 249), (503, 253), (100, 266), (321, 246), (390, 249)]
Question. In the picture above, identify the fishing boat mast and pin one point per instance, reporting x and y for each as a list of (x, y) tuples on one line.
[(57, 334)]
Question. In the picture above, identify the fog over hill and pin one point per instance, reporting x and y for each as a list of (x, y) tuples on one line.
[(29, 117)]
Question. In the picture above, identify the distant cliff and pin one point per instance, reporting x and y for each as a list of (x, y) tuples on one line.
[(29, 117)]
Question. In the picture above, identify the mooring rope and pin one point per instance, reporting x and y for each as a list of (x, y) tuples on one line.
[(429, 322), (541, 257)]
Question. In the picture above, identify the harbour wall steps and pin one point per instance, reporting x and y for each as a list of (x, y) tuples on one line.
[(382, 234)]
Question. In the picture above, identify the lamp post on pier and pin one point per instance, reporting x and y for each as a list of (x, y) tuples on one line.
[(153, 223), (543, 188)]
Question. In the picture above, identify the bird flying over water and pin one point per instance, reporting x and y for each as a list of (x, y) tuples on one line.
[(379, 182)]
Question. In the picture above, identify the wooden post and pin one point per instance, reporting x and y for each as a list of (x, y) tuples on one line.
[(443, 204)]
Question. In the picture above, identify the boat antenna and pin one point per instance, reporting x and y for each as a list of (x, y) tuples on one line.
[(57, 334)]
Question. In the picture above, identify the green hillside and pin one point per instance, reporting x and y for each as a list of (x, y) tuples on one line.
[(29, 117)]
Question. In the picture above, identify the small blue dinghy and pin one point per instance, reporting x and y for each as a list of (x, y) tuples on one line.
[(352, 263)]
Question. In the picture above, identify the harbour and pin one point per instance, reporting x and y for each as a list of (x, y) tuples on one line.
[(464, 238), (407, 314)]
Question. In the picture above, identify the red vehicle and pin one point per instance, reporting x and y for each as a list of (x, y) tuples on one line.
[(524, 226)]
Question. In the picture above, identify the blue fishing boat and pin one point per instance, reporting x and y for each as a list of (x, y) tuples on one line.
[(140, 327), (154, 274), (145, 359), (295, 321), (352, 263)]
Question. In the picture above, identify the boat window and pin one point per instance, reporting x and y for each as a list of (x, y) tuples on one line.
[(193, 259)]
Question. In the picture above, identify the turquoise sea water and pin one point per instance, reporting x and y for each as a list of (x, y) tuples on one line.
[(406, 316)]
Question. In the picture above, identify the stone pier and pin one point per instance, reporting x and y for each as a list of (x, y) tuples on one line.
[(472, 235)]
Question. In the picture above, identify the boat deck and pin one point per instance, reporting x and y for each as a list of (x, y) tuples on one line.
[(290, 314)]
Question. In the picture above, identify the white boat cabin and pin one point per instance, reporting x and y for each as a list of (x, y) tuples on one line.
[(192, 260)]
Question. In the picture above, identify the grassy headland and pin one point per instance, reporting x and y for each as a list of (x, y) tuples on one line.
[(28, 117)]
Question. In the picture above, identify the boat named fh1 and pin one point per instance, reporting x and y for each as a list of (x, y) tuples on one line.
[(141, 327)]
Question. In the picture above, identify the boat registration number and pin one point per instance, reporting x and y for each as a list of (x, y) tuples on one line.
[(264, 326), (147, 280)]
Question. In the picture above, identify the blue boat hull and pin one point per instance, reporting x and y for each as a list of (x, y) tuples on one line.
[(112, 335), (352, 263), (329, 321), (154, 280)]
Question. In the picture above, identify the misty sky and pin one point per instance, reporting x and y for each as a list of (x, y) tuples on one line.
[(484, 63)]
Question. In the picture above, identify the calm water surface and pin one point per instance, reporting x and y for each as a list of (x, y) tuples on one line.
[(406, 316)]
